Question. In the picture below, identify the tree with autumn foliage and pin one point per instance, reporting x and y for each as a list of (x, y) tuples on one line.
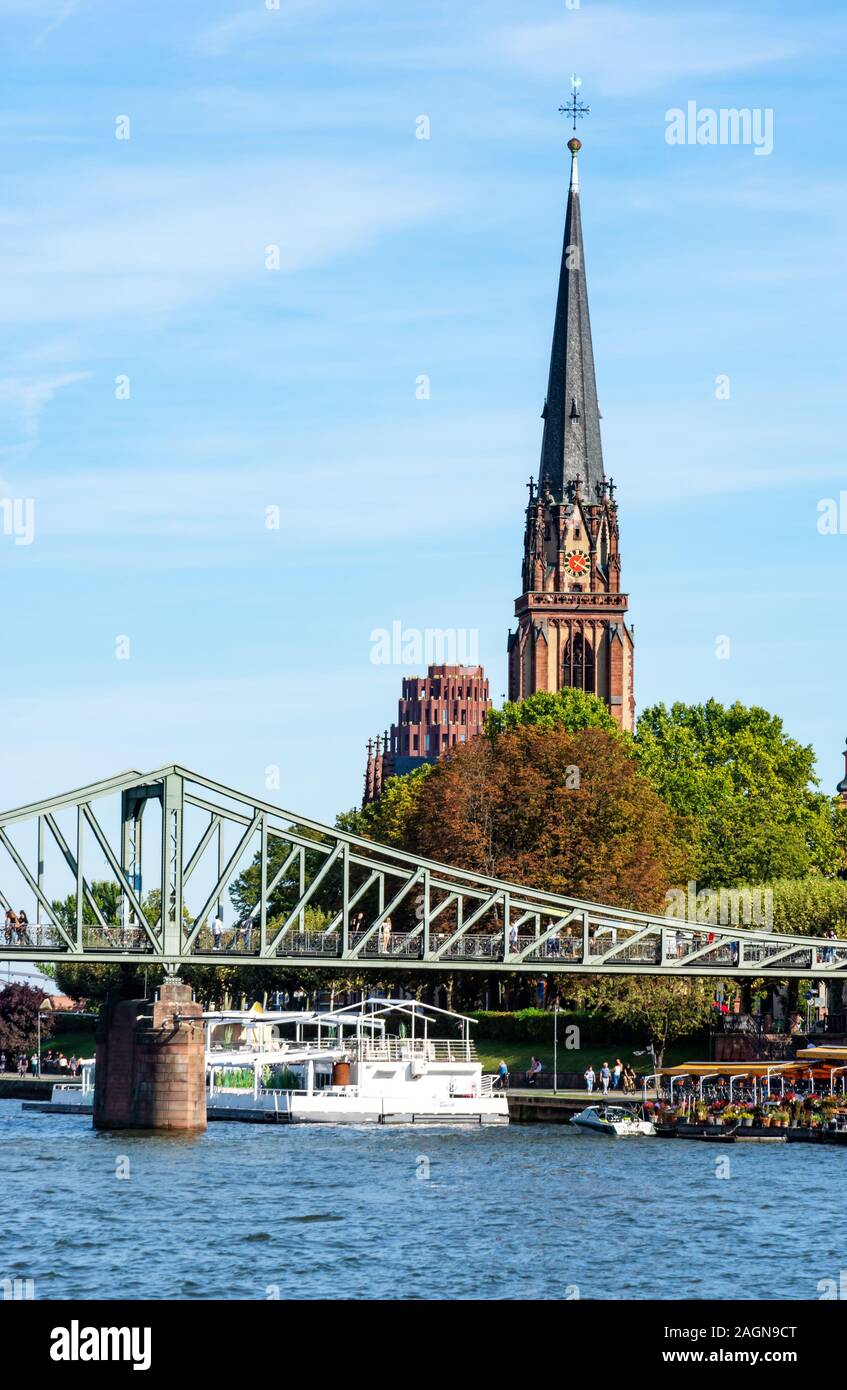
[(564, 811), (19, 1006)]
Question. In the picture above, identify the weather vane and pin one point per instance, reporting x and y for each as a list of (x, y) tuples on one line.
[(574, 108)]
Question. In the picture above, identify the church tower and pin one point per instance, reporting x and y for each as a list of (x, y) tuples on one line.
[(571, 615)]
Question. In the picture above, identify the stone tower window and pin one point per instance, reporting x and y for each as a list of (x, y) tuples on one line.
[(579, 664)]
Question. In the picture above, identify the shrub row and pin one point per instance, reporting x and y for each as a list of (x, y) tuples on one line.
[(536, 1026)]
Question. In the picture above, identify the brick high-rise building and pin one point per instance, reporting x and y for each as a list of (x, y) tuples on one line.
[(435, 712), (571, 615)]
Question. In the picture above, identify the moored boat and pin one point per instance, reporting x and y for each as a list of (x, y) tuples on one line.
[(345, 1067), (615, 1121)]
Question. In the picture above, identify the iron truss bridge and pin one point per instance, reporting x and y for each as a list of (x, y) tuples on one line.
[(317, 897)]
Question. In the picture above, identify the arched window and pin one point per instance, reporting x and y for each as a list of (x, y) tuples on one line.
[(579, 664)]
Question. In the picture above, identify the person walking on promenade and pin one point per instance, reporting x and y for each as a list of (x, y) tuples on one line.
[(617, 1074), (590, 1078), (605, 1077)]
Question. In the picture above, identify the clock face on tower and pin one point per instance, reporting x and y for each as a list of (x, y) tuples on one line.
[(576, 563)]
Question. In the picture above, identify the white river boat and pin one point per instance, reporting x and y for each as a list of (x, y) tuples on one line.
[(345, 1066)]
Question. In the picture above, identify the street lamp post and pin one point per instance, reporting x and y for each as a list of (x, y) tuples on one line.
[(43, 1008), (555, 1048)]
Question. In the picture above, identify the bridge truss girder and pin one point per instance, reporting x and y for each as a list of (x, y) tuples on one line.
[(452, 919)]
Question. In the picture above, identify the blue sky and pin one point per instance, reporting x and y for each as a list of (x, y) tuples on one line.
[(399, 257)]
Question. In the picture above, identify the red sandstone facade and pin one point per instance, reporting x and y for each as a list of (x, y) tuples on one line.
[(436, 712), (151, 1063), (571, 616)]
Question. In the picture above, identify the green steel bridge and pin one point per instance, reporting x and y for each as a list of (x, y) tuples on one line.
[(157, 835)]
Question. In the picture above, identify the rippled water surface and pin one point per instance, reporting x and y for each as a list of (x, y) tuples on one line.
[(317, 1212)]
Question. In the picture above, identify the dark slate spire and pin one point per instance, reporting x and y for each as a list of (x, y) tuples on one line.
[(571, 446)]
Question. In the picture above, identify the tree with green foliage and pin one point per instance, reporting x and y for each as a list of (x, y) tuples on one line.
[(107, 895), (94, 981), (387, 820), (747, 790), (561, 709), (660, 1010), (809, 906)]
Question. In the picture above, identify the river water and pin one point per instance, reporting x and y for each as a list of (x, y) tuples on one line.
[(256, 1212)]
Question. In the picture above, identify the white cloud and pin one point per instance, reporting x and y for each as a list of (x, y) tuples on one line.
[(261, 22), (24, 398), (629, 51), (143, 240)]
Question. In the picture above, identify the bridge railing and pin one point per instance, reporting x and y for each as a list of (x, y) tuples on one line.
[(426, 1049), (36, 934)]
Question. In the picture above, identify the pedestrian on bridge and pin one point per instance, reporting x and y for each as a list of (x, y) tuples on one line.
[(23, 928), (385, 932), (217, 932), (11, 926)]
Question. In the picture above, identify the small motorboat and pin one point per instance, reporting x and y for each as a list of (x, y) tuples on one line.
[(617, 1121)]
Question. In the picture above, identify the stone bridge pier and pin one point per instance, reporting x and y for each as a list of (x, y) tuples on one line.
[(151, 1063)]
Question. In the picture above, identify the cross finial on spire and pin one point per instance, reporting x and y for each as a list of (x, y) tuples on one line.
[(575, 109)]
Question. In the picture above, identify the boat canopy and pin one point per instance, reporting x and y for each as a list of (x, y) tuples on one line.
[(374, 1008), (727, 1068), (799, 1067), (378, 1006)]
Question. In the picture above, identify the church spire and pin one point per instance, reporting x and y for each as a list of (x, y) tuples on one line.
[(571, 616), (571, 447)]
